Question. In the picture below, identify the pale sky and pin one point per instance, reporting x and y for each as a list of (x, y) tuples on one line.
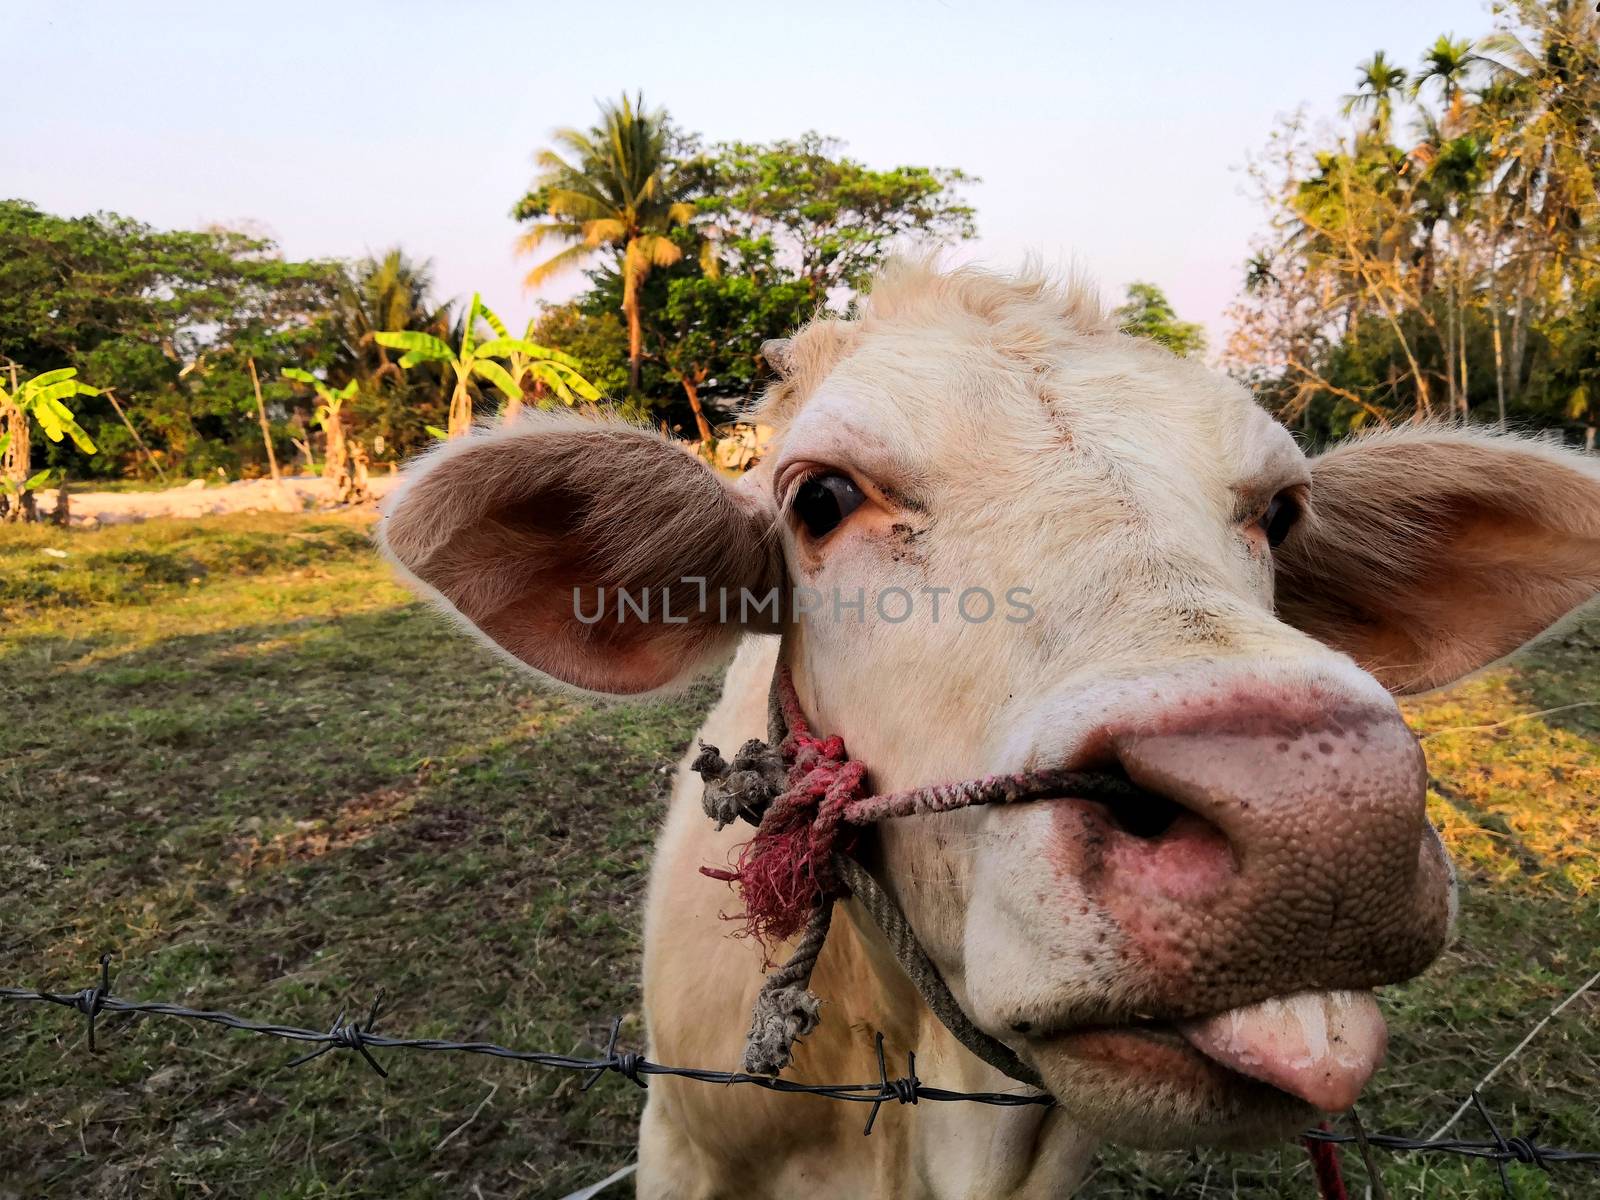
[(1107, 134)]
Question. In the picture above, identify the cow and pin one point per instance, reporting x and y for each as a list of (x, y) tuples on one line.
[(1006, 537)]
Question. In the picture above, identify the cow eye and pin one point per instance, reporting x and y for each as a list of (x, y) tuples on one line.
[(823, 501), (1280, 518)]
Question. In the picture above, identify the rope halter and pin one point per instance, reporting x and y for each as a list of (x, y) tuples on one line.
[(806, 799)]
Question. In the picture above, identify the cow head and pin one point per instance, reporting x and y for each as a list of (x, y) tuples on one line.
[(1009, 537)]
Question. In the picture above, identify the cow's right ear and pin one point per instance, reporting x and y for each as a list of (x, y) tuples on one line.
[(521, 532), (1429, 553)]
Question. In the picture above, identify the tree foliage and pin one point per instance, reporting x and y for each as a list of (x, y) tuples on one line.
[(40, 401), (474, 362), (696, 256), (1148, 313), (776, 232), (614, 188), (167, 317), (388, 293), (830, 219), (1450, 276)]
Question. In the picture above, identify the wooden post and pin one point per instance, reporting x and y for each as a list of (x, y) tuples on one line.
[(61, 515), (266, 433), (109, 394)]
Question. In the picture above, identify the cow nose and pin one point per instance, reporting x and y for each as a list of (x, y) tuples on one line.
[(1280, 851)]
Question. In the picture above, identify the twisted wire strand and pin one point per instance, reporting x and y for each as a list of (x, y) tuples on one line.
[(93, 1002), (359, 1036)]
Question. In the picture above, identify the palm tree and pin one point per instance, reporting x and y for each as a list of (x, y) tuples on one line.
[(1379, 83), (613, 189), (1259, 275), (1448, 62), (382, 294)]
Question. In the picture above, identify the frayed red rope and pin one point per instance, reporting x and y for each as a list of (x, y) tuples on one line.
[(1325, 1163), (787, 868)]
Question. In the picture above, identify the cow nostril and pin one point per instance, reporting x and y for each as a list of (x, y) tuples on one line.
[(1145, 816)]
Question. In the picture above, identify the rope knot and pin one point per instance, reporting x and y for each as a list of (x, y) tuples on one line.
[(799, 794), (782, 1015), (743, 788)]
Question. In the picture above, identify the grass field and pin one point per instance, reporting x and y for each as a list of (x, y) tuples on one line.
[(234, 752)]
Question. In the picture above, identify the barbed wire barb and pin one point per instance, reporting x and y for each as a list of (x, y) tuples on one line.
[(904, 1090), (92, 999)]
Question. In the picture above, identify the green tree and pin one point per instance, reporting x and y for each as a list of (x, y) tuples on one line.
[(613, 190), (529, 362), (1567, 381), (593, 334), (329, 416), (1148, 313), (167, 316), (1468, 261), (790, 225), (381, 295), (1546, 151), (709, 333), (388, 293), (1447, 64), (830, 218)]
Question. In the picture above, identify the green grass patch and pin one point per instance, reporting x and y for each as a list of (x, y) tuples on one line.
[(236, 753)]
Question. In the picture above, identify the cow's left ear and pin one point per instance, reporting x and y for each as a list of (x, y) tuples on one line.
[(598, 554), (1427, 554)]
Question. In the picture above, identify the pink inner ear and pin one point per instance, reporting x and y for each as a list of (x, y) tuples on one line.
[(621, 660), (506, 529), (513, 575), (1501, 580), (1432, 555)]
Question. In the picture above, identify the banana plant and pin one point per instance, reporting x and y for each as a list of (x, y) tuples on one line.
[(332, 398), (329, 415), (40, 399), (473, 359), (526, 359)]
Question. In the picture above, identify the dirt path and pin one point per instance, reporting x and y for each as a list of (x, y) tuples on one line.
[(297, 493)]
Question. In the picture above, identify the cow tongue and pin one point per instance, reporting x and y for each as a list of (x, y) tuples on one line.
[(1319, 1046)]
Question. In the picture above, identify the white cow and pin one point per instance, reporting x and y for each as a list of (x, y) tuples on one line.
[(1178, 594)]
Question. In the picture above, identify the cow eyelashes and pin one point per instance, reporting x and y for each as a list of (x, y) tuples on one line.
[(1281, 515), (824, 501)]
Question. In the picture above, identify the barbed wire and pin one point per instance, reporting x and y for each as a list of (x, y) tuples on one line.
[(359, 1036)]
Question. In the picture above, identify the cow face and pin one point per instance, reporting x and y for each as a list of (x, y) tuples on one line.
[(1007, 538)]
